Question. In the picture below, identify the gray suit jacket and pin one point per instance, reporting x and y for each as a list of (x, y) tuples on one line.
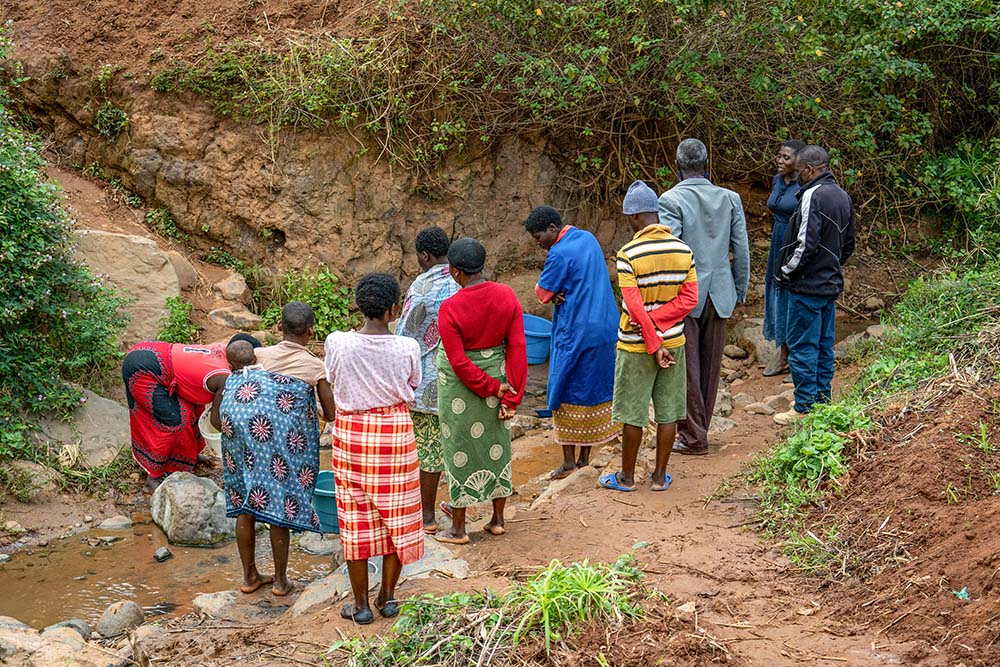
[(711, 221)]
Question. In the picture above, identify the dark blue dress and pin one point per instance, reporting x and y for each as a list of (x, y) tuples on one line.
[(782, 204)]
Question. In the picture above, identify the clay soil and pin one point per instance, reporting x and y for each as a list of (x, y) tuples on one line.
[(919, 523)]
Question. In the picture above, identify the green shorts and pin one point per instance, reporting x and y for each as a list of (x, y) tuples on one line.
[(427, 432), (639, 380)]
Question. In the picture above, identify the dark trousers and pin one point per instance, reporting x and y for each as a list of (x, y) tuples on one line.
[(810, 334), (704, 336)]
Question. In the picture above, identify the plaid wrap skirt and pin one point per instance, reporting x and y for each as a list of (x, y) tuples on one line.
[(378, 484)]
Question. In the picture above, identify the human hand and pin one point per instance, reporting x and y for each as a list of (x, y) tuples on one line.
[(559, 298), (664, 358), (504, 389), (506, 413)]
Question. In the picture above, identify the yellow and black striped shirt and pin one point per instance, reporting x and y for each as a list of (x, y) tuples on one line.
[(658, 263)]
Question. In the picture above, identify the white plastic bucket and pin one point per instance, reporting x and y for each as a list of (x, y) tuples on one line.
[(212, 436)]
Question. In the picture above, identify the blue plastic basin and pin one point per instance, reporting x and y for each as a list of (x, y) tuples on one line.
[(325, 502), (538, 333)]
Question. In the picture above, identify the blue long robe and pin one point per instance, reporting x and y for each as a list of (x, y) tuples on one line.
[(585, 326)]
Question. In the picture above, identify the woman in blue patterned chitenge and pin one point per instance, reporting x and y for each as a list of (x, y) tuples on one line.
[(270, 459)]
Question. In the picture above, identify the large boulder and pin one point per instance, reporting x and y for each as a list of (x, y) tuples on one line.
[(139, 268), (236, 316), (187, 275), (191, 510), (23, 646), (233, 288), (749, 335), (94, 437)]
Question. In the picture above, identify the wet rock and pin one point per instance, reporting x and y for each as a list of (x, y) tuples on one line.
[(743, 399), (4, 558), (11, 623), (119, 618), (723, 403), (187, 276), (720, 425), (214, 605), (191, 510), (235, 317), (162, 554), (139, 268), (117, 522), (81, 627), (39, 483), (749, 335), (95, 435), (322, 545), (874, 303), (734, 352), (759, 408), (233, 288)]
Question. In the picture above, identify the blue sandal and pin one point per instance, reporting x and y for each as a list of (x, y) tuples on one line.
[(666, 482), (610, 481)]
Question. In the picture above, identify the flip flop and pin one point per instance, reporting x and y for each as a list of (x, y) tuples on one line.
[(451, 540), (446, 508), (431, 529), (362, 617), (610, 481), (666, 483)]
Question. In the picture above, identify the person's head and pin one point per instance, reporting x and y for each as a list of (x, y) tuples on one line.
[(254, 343), (786, 156), (297, 320), (466, 258), (377, 296), (239, 355), (692, 158), (640, 206), (432, 247), (544, 224), (811, 161)]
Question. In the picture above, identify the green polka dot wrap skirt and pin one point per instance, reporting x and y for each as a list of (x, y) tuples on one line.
[(475, 443)]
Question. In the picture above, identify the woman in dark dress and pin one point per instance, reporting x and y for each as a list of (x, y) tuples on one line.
[(782, 204)]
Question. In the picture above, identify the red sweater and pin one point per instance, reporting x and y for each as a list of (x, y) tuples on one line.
[(479, 317)]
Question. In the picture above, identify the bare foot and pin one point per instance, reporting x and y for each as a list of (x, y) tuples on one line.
[(255, 583), (449, 537), (431, 528), (562, 472), (282, 588), (206, 461), (152, 483), (494, 528)]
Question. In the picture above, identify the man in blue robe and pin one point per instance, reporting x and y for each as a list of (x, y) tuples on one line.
[(584, 334)]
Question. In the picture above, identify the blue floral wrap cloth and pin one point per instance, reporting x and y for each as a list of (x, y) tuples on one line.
[(270, 448)]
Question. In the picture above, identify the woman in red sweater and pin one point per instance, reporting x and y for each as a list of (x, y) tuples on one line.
[(482, 370)]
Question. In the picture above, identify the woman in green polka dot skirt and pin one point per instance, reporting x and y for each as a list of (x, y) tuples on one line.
[(482, 369)]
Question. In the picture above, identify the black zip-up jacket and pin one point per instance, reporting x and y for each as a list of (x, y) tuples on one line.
[(819, 240)]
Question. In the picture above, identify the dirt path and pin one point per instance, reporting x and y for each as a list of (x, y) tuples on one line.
[(694, 543)]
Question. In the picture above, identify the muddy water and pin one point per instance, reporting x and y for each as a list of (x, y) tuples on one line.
[(71, 579)]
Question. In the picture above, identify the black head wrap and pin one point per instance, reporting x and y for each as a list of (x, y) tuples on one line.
[(467, 255)]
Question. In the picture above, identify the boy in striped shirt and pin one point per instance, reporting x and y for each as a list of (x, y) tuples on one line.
[(659, 288)]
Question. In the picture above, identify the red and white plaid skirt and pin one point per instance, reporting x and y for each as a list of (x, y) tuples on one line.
[(378, 484)]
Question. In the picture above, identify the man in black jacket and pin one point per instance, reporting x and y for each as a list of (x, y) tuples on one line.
[(819, 240)]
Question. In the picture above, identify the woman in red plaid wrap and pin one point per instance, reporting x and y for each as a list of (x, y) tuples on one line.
[(374, 375)]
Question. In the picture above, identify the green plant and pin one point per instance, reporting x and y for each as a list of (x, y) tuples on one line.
[(321, 289), (58, 322), (951, 494), (103, 480), (17, 482), (105, 75), (161, 222), (994, 479), (110, 121), (176, 326), (980, 440)]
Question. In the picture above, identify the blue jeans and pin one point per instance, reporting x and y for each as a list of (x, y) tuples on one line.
[(810, 334)]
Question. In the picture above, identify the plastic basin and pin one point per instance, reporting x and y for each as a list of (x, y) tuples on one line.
[(325, 502), (212, 437), (538, 333)]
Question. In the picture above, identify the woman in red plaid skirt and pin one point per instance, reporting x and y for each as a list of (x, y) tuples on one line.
[(374, 375)]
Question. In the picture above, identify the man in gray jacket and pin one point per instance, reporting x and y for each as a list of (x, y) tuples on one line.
[(711, 221)]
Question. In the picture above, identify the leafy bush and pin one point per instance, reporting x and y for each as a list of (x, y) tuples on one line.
[(161, 222), (321, 289), (176, 326), (110, 121), (58, 322)]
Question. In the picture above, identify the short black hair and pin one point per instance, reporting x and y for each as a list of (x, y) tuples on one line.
[(297, 317), (814, 156), (794, 144), (434, 241), (239, 354), (247, 337), (375, 294), (541, 217)]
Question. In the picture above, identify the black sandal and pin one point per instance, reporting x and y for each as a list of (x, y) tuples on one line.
[(363, 617), (390, 610)]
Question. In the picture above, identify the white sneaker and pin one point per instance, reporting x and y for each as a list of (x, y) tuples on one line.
[(790, 417)]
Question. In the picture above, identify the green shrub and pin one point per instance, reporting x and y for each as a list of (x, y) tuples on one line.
[(321, 289), (176, 326), (58, 322), (110, 121), (161, 222)]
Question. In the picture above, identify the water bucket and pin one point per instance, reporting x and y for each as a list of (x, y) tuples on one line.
[(212, 437), (325, 502), (538, 332)]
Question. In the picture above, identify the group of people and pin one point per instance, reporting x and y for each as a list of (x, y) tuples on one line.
[(435, 395)]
